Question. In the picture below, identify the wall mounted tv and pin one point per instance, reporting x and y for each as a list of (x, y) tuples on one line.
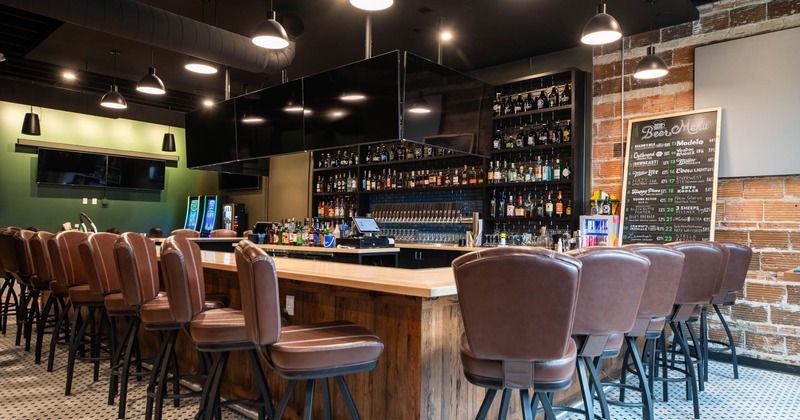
[(133, 173), (211, 135), (64, 167)]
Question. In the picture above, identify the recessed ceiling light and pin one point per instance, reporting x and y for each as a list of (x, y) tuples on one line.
[(447, 36), (69, 75), (352, 97), (208, 103)]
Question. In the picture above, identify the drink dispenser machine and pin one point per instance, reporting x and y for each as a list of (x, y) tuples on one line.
[(234, 217)]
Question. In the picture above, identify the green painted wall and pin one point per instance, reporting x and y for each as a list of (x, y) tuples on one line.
[(25, 203)]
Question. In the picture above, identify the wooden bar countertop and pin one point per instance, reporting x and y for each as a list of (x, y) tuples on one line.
[(323, 250), (427, 283)]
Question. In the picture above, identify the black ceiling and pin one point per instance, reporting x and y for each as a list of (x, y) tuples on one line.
[(329, 33)]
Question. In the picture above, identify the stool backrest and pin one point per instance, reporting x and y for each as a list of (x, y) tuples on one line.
[(701, 268), (666, 266), (223, 233), (735, 273), (187, 233), (8, 253), (612, 283), (182, 268), (41, 257), (68, 268), (517, 304), (258, 283), (720, 279), (137, 268), (97, 254), (22, 248)]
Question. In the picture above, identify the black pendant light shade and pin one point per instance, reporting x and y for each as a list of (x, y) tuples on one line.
[(198, 65), (651, 66), (601, 29), (113, 99), (419, 106), (270, 34), (30, 125), (168, 145), (151, 84)]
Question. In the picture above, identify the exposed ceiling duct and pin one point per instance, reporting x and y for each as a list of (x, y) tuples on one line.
[(159, 28)]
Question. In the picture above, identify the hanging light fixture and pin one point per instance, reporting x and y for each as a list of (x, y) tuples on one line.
[(198, 65), (270, 34), (168, 144), (150, 83), (372, 5), (602, 28), (30, 125), (113, 99), (419, 106), (651, 66)]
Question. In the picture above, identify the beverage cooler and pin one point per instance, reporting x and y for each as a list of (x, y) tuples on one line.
[(234, 217), (599, 231)]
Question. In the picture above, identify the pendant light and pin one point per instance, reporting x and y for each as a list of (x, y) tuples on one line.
[(270, 34), (198, 65), (168, 144), (601, 29), (30, 125), (372, 5), (150, 83), (419, 106), (651, 66), (113, 99)]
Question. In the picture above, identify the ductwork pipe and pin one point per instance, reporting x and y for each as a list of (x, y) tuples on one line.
[(159, 28)]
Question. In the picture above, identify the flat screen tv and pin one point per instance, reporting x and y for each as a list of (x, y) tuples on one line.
[(234, 182), (269, 122), (211, 135), (133, 173), (64, 167)]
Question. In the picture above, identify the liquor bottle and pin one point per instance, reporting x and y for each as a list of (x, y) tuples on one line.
[(530, 103), (502, 205), (541, 101), (566, 95), (493, 204), (497, 174), (554, 137), (497, 107), (529, 176), (566, 171), (507, 106), (540, 206), (553, 97), (504, 172), (531, 137), (529, 206), (512, 173), (548, 206), (568, 208), (547, 171), (557, 170), (456, 181), (491, 172), (439, 179), (393, 153), (566, 133), (509, 142), (510, 206), (368, 158), (519, 105), (520, 138), (537, 170), (384, 153), (544, 135), (559, 133), (318, 187), (559, 205), (497, 140), (519, 210), (401, 152), (480, 175)]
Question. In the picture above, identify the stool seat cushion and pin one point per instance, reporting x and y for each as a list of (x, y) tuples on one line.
[(219, 326), (83, 295), (156, 312), (544, 373), (115, 305), (59, 290), (328, 345)]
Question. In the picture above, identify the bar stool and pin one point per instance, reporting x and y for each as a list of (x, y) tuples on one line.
[(186, 233), (65, 254), (55, 301), (137, 266), (97, 254), (300, 352), (26, 275), (8, 256), (610, 293), (701, 268), (59, 287), (218, 331), (223, 233), (666, 266), (517, 328), (8, 285)]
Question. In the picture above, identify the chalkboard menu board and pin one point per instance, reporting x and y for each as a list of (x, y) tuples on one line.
[(670, 178)]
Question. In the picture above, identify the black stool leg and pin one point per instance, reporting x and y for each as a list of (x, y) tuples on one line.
[(647, 398), (699, 353), (285, 399), (5, 290), (40, 328), (163, 370), (62, 321), (268, 410), (326, 399), (22, 313), (308, 406), (504, 403), (348, 399), (677, 330), (586, 392), (547, 406), (133, 333), (525, 402), (731, 343), (33, 315), (486, 404), (77, 333), (152, 382)]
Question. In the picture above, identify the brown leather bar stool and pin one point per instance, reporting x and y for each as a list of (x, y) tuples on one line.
[(735, 274), (7, 290), (612, 282), (59, 287), (223, 233), (666, 266), (97, 254), (64, 253), (517, 327), (219, 331), (26, 274), (55, 301), (300, 352), (137, 266), (702, 264), (8, 256), (186, 233)]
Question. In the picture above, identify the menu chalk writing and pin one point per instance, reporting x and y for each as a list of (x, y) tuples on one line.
[(670, 178)]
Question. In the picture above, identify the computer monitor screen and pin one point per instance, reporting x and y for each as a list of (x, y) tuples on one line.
[(366, 225)]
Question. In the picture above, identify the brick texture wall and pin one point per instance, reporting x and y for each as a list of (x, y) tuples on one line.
[(763, 213)]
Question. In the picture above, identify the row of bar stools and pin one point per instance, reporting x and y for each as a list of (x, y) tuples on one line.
[(214, 331), (56, 300), (517, 328)]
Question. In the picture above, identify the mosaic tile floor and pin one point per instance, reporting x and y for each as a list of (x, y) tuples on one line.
[(28, 391)]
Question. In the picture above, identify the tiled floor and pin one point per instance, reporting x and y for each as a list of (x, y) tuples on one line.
[(28, 391)]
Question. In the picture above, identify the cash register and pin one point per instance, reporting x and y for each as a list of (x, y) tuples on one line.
[(366, 235)]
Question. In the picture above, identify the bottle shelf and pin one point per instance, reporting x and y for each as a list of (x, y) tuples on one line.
[(338, 168), (534, 112), (529, 184), (533, 219), (316, 194), (415, 190), (410, 161), (540, 147)]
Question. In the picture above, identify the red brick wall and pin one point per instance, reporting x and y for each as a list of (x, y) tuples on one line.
[(763, 213)]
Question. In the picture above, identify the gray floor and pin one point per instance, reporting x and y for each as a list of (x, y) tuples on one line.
[(28, 391)]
